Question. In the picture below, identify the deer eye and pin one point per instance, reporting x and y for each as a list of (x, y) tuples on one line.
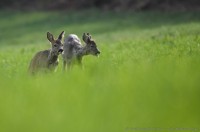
[(55, 45)]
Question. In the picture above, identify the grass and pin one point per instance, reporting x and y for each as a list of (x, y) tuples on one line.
[(147, 75)]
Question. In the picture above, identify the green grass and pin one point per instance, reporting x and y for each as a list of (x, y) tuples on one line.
[(147, 75)]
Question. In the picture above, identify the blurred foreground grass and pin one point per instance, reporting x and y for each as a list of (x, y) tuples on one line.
[(146, 77)]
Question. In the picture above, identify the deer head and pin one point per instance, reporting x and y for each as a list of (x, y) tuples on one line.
[(57, 46), (91, 47)]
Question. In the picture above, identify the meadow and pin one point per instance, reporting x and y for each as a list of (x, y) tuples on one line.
[(147, 75)]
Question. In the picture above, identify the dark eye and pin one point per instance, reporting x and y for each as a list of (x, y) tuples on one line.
[(92, 46), (55, 45)]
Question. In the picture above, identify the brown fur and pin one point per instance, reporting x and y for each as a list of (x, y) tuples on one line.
[(47, 60)]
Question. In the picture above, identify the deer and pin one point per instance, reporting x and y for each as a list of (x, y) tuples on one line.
[(47, 60), (74, 51)]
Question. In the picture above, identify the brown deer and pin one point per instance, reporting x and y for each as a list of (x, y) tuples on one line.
[(47, 60), (74, 50)]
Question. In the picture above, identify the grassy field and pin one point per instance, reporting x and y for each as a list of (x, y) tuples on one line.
[(147, 76)]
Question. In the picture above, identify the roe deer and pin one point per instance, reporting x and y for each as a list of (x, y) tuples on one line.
[(47, 59), (74, 50)]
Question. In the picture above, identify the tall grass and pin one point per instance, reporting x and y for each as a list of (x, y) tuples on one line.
[(147, 75)]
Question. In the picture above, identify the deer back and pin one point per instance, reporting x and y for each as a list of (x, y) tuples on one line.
[(72, 45), (39, 61)]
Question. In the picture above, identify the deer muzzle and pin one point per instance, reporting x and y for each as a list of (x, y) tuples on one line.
[(97, 53), (60, 50)]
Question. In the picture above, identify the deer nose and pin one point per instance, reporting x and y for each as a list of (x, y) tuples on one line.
[(98, 52), (60, 50)]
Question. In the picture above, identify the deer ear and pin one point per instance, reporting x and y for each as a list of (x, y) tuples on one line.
[(89, 36), (86, 38), (61, 35), (50, 37)]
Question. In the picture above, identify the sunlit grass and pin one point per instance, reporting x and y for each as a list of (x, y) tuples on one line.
[(146, 76)]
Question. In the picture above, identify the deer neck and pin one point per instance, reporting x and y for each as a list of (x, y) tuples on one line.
[(83, 51), (52, 58)]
